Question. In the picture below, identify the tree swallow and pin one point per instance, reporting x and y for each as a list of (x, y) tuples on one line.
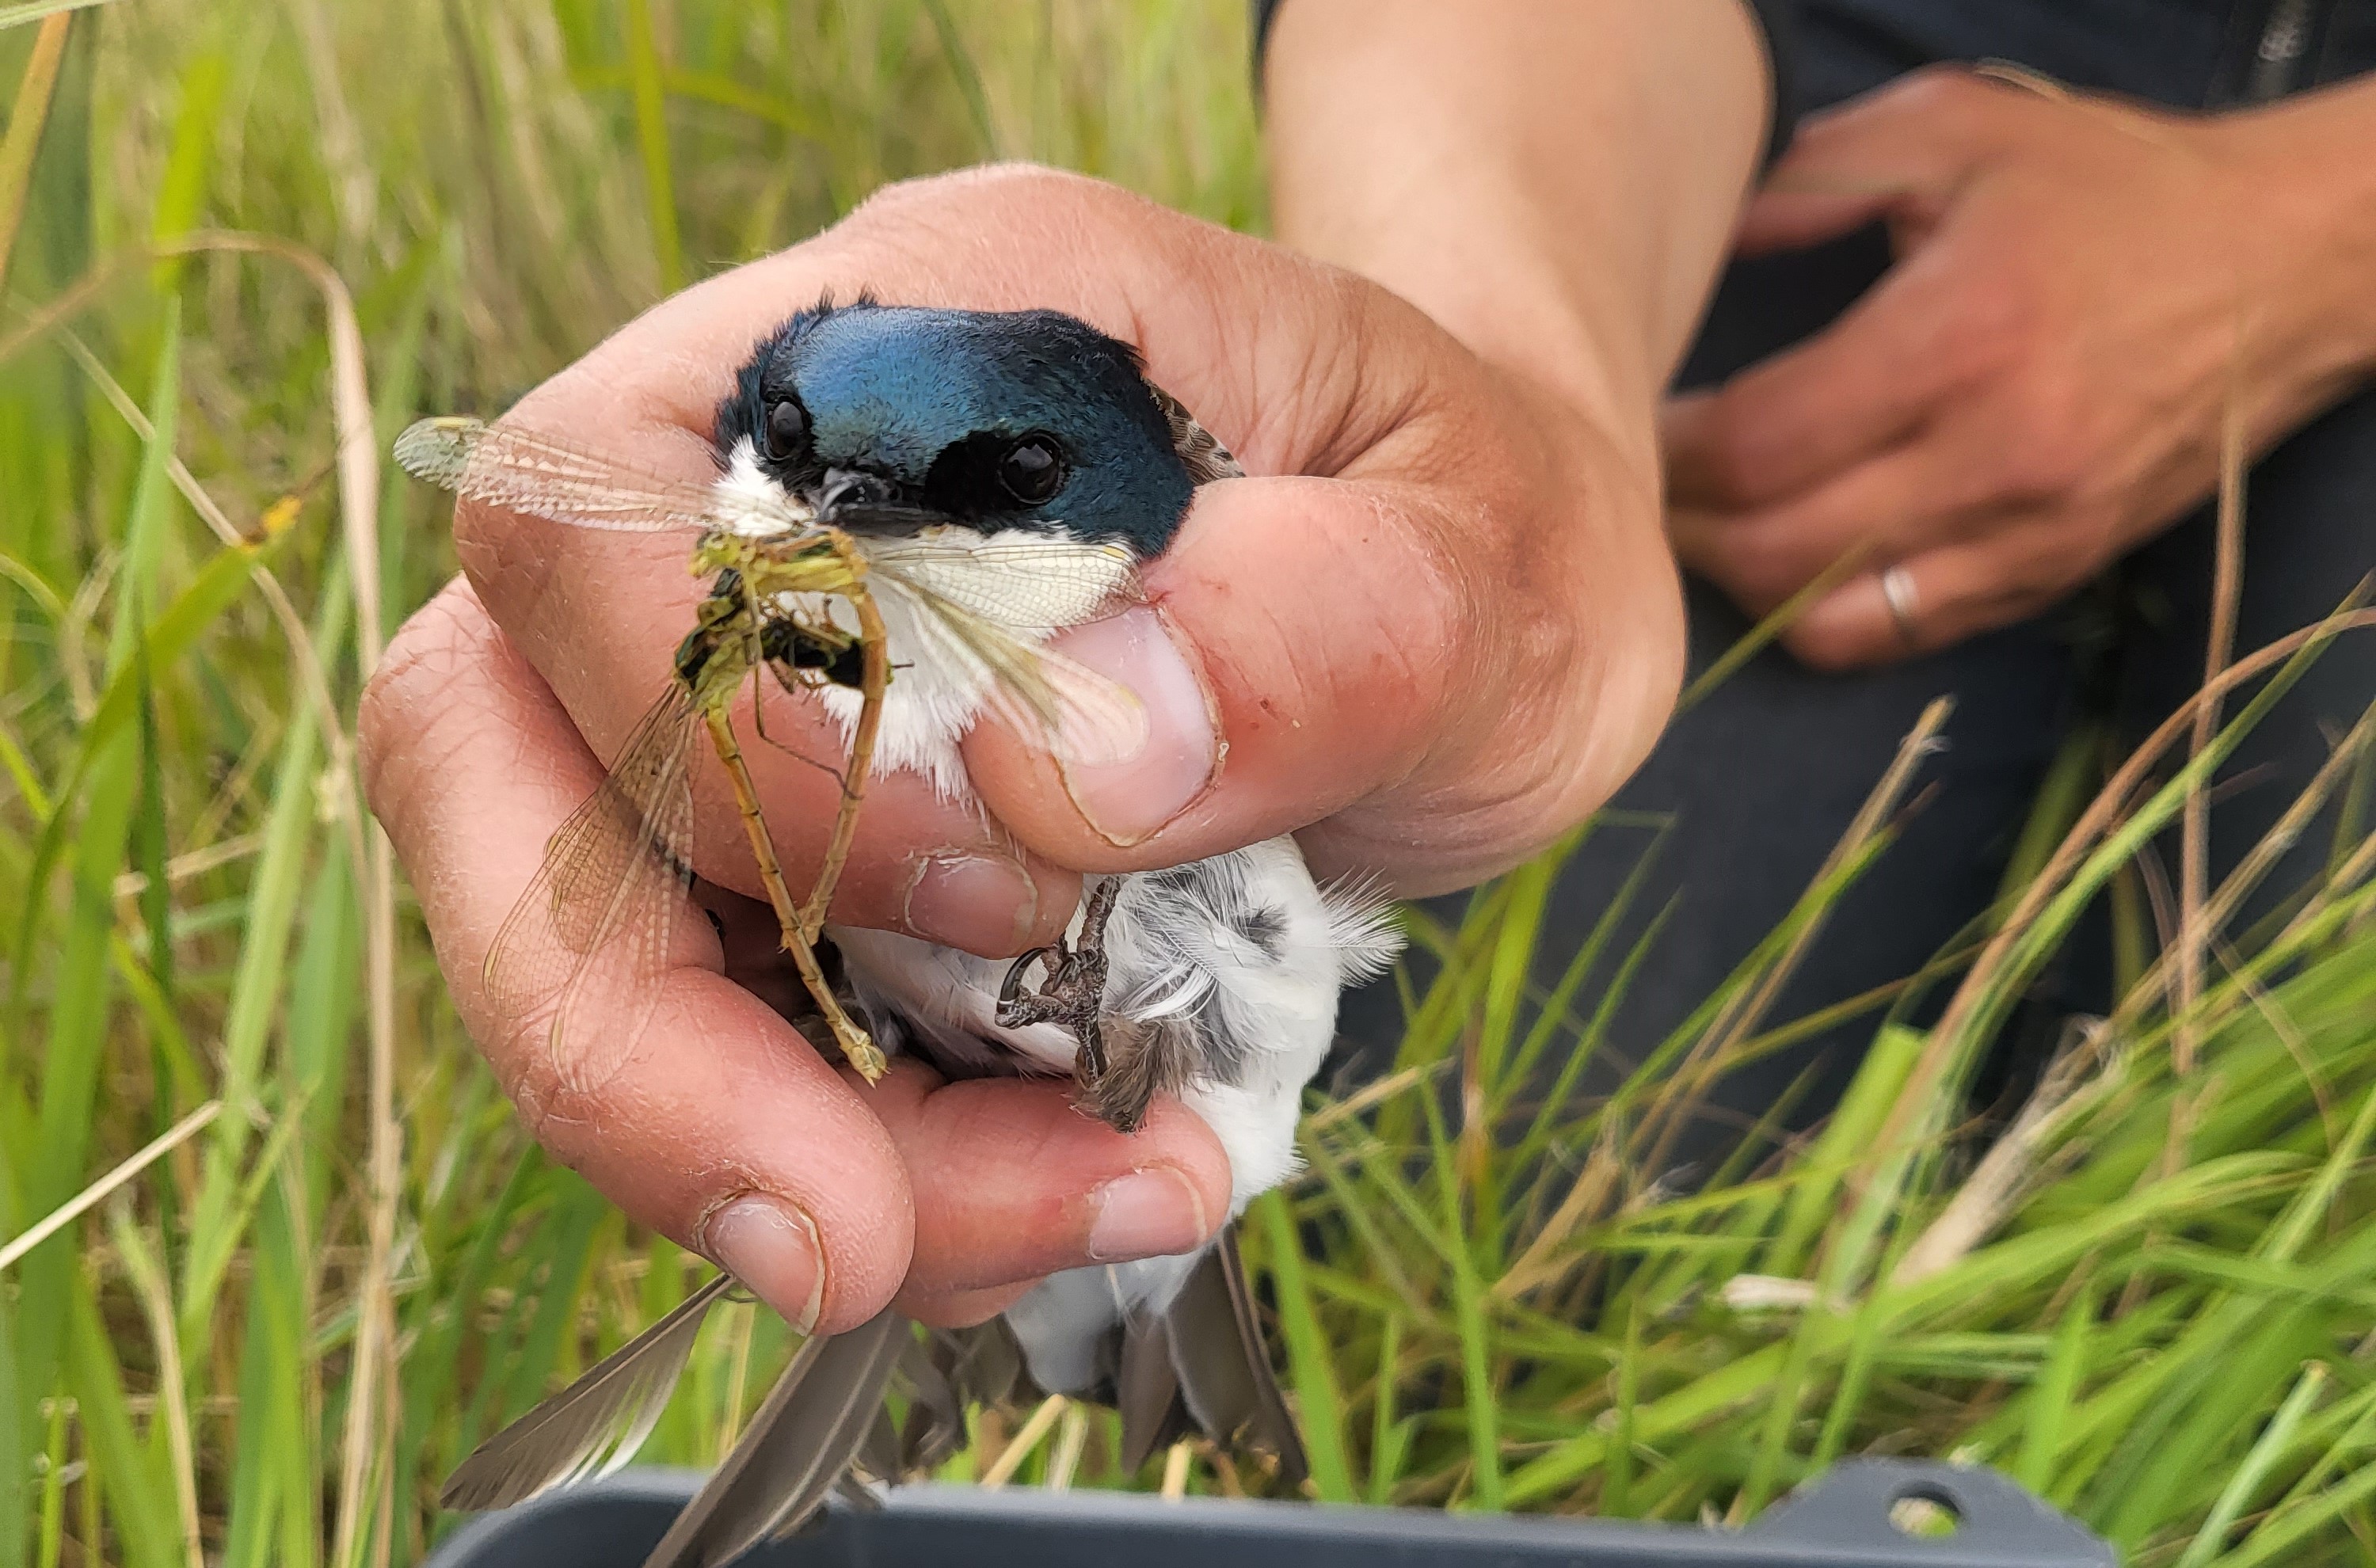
[(1023, 435)]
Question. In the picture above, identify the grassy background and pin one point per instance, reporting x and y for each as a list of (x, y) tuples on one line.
[(2157, 1303)]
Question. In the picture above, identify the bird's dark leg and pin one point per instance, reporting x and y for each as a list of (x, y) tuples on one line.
[(1073, 993)]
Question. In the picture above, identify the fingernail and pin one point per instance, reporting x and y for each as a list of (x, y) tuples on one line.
[(1147, 1213), (1128, 800), (980, 903), (772, 1248)]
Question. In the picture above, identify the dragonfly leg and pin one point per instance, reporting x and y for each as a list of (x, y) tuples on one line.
[(860, 1049), (1074, 991), (875, 646)]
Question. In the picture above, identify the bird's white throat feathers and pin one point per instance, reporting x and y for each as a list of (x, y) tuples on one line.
[(1028, 584)]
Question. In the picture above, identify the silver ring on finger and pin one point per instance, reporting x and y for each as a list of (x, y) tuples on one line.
[(1897, 591)]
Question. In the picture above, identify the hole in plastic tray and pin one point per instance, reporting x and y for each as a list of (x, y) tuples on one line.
[(1925, 1513)]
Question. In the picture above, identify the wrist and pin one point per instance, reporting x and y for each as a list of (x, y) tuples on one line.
[(1554, 186), (2301, 168)]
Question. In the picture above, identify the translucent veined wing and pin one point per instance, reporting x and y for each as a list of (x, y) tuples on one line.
[(1035, 586), (985, 615), (612, 887), (521, 470)]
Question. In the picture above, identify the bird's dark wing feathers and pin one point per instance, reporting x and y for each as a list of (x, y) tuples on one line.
[(1204, 455), (1146, 1392), (597, 1421)]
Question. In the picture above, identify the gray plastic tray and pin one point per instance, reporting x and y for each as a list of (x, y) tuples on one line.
[(1841, 1520)]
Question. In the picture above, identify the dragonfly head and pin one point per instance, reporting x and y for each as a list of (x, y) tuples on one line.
[(888, 420)]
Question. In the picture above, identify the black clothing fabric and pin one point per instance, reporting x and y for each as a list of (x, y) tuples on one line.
[(1759, 781), (1776, 19)]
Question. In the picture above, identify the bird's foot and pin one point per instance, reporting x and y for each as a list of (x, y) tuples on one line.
[(1075, 990)]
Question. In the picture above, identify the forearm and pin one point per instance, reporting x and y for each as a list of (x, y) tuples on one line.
[(1555, 185)]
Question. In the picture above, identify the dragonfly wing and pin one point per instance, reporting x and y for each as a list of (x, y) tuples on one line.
[(1032, 588), (989, 607), (611, 886), (542, 476)]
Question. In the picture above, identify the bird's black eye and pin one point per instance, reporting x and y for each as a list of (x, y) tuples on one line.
[(788, 426), (1032, 470)]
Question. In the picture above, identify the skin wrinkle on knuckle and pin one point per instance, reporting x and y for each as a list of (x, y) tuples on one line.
[(1439, 606), (1322, 387)]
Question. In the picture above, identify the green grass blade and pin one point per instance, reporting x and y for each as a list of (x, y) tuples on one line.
[(2050, 1398), (2255, 1470), (1311, 1357), (645, 72)]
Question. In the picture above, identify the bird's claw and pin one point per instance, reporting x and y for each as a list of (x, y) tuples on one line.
[(1073, 993)]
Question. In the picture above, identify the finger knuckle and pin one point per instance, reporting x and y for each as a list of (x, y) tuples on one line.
[(1742, 465), (558, 1090), (1991, 322), (902, 198), (1763, 564), (2049, 562), (2048, 456), (1828, 648), (1939, 92)]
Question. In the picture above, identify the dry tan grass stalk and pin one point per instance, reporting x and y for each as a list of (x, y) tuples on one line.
[(1989, 1194), (1175, 1470), (1027, 1438), (368, 1427), (357, 465), (2281, 837), (149, 1282), (2194, 832), (1588, 1196), (1914, 1101), (30, 114), (66, 1212), (1747, 1009), (1385, 1089), (276, 598), (192, 862), (1072, 1436)]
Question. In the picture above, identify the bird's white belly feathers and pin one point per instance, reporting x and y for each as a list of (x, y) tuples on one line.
[(1245, 948)]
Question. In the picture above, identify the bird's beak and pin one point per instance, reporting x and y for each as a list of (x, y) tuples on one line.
[(859, 502)]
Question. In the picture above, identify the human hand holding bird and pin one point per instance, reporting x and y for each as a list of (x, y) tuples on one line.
[(1430, 658)]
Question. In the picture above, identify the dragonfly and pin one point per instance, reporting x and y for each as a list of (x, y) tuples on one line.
[(789, 596)]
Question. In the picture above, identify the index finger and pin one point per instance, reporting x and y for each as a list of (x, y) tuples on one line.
[(1860, 385), (715, 1123)]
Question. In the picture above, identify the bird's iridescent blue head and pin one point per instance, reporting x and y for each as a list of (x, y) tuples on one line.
[(889, 418)]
